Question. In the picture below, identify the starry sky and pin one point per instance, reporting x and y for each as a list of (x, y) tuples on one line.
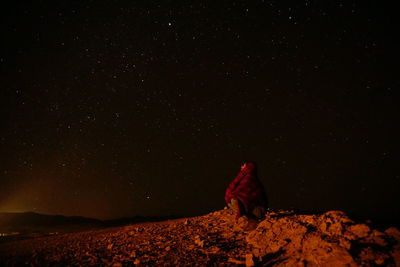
[(124, 108)]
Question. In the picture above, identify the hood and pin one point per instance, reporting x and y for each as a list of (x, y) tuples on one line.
[(250, 167)]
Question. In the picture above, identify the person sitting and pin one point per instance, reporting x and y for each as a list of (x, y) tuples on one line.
[(245, 194)]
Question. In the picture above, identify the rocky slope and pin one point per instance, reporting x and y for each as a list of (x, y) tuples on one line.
[(217, 239)]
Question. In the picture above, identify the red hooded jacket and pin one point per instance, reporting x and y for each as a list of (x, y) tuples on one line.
[(247, 189)]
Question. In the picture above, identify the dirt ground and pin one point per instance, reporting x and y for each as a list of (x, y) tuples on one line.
[(283, 238)]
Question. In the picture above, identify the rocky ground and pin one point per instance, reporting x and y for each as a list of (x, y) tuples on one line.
[(217, 239)]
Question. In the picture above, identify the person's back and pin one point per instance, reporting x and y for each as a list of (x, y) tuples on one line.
[(245, 194)]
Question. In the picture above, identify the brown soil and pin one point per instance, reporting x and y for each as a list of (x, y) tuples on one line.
[(217, 239)]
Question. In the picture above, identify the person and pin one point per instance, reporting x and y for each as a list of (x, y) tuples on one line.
[(245, 194)]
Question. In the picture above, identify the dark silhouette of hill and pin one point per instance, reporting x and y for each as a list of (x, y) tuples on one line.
[(31, 221), (25, 225), (20, 221)]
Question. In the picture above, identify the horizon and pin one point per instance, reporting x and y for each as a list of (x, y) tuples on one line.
[(100, 219), (381, 221)]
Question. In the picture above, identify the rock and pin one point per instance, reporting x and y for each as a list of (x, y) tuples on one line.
[(214, 250), (198, 241), (249, 260), (333, 223), (236, 261), (273, 235), (315, 250), (331, 239), (396, 255), (359, 230), (393, 233)]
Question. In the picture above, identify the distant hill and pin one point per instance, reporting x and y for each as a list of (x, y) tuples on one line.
[(32, 219), (23, 225)]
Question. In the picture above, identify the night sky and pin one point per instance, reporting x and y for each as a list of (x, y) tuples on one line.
[(124, 108)]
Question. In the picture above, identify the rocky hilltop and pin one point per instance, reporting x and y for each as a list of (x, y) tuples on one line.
[(283, 238)]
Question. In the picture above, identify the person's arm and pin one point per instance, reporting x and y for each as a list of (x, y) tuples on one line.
[(230, 191), (247, 192)]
